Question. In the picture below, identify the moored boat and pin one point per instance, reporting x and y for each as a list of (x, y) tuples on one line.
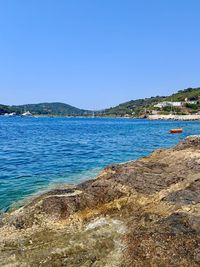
[(27, 114), (179, 130), (10, 114)]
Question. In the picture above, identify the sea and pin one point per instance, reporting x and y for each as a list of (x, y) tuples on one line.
[(37, 154)]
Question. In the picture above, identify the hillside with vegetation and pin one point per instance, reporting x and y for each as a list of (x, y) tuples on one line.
[(52, 109), (131, 108), (5, 109), (190, 98), (143, 107), (46, 109), (191, 94)]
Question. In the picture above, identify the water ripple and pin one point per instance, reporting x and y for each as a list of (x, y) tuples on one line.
[(36, 153)]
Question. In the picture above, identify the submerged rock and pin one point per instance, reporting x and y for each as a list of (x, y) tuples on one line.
[(140, 213)]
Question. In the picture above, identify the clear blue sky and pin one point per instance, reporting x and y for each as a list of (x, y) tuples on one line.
[(97, 53)]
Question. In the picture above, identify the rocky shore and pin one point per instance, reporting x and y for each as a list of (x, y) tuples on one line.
[(140, 213), (175, 117)]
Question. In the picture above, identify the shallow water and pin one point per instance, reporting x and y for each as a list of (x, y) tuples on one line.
[(39, 152)]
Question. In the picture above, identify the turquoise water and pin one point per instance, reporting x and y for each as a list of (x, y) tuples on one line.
[(40, 152)]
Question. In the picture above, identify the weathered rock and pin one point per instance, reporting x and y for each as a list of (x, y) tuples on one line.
[(140, 213)]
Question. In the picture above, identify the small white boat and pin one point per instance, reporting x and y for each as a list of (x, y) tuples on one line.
[(27, 114), (10, 114)]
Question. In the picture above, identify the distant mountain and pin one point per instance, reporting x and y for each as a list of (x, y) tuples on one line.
[(49, 109), (137, 108), (54, 109)]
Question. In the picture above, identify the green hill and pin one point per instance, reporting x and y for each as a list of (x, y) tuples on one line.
[(131, 108), (5, 109), (53, 109), (191, 93), (140, 107), (48, 109)]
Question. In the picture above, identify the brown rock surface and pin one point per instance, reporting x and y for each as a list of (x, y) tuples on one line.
[(140, 213)]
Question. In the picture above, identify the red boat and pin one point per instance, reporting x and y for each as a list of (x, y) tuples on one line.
[(180, 130)]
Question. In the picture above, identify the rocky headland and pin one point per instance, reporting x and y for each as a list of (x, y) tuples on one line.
[(140, 213)]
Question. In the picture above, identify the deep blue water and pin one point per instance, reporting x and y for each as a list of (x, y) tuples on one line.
[(39, 152)]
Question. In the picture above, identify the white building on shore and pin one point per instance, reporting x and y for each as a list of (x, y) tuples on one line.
[(168, 104)]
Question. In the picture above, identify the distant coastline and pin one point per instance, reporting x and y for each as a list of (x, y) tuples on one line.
[(184, 105), (190, 117)]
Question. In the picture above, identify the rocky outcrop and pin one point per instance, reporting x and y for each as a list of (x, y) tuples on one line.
[(140, 213)]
